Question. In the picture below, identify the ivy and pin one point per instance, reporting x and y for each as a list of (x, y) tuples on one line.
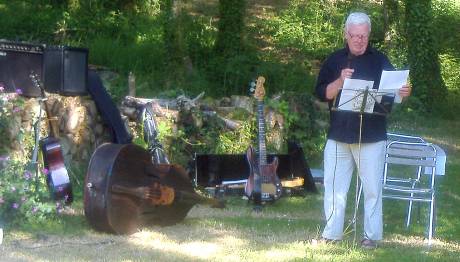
[(231, 25), (425, 73)]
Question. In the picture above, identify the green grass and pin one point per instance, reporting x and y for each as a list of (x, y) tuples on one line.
[(281, 232)]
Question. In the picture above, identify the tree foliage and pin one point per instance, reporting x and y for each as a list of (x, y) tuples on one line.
[(423, 54), (231, 27), (232, 63)]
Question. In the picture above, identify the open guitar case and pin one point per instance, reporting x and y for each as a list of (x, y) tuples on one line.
[(212, 170)]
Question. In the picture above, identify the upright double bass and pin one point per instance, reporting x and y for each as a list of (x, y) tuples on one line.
[(125, 190)]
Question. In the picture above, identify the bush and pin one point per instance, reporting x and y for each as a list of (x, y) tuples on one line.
[(23, 193), (450, 71), (24, 196)]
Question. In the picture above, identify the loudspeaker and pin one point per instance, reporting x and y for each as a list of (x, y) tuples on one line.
[(65, 70), (17, 61)]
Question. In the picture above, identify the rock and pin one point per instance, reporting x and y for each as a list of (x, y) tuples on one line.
[(244, 102), (76, 117)]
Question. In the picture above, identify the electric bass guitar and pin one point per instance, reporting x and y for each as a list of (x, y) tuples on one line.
[(263, 184), (57, 177)]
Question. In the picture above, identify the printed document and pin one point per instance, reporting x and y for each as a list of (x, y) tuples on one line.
[(392, 81), (353, 93)]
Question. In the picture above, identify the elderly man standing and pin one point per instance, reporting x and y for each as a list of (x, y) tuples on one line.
[(356, 60)]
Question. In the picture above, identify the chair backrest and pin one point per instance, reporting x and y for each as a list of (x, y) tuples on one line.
[(404, 138), (407, 153), (419, 155)]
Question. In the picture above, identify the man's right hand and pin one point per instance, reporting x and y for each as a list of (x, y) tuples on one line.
[(333, 88), (346, 73)]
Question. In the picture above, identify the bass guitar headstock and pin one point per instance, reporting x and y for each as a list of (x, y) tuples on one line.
[(259, 91)]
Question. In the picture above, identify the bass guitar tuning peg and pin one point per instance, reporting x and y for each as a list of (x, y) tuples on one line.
[(252, 86)]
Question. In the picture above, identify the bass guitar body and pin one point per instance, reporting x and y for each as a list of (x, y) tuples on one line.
[(57, 177), (263, 175)]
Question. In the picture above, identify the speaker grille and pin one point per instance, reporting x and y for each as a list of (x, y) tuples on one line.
[(17, 61), (66, 70)]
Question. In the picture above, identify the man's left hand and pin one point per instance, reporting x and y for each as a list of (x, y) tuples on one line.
[(405, 91)]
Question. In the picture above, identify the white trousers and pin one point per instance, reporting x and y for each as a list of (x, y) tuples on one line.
[(340, 160)]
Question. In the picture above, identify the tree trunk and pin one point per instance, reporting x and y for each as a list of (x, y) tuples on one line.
[(176, 54), (390, 19), (423, 58), (231, 26)]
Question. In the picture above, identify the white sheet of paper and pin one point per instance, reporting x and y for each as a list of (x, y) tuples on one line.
[(392, 81), (352, 95)]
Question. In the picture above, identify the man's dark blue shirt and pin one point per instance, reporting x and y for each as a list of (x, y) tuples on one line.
[(345, 125)]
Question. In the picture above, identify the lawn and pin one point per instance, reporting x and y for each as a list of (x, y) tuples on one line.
[(283, 231)]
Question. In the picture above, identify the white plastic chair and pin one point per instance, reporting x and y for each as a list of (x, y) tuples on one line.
[(407, 159)]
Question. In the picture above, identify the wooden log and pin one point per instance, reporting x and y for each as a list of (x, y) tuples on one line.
[(132, 84), (138, 102), (132, 106), (230, 124), (181, 102)]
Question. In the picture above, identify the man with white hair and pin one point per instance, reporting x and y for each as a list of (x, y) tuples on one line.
[(351, 142)]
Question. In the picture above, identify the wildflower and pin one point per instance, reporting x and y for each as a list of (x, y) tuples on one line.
[(16, 109), (13, 189), (19, 91), (2, 88), (15, 205), (11, 96), (5, 99), (27, 175), (34, 209), (23, 199), (45, 171)]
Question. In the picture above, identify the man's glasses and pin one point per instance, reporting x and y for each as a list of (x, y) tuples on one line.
[(358, 37)]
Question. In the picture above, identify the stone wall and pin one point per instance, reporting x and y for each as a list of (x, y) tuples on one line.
[(79, 127)]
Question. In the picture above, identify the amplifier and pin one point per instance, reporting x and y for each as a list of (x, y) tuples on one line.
[(17, 61), (65, 70)]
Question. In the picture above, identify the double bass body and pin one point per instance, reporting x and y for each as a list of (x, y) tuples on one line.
[(124, 190)]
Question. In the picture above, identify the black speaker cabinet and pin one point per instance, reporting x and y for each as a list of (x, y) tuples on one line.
[(17, 61), (65, 70)]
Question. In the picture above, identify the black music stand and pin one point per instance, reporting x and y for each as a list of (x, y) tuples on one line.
[(363, 100)]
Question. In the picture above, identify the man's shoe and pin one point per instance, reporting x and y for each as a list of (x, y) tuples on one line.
[(368, 244)]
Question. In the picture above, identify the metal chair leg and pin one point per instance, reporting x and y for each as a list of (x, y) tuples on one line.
[(409, 214), (432, 215)]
